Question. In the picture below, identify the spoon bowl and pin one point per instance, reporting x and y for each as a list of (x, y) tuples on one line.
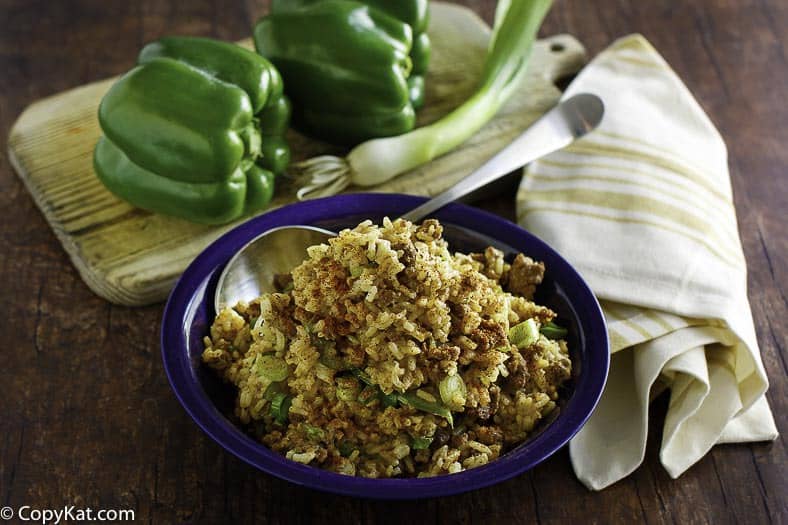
[(253, 270)]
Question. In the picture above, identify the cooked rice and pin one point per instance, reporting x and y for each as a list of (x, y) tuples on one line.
[(375, 318)]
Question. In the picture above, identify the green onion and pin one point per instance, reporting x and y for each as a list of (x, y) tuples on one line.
[(347, 388), (378, 160), (280, 407), (421, 443), (524, 334), (271, 367), (453, 391), (411, 399), (314, 433), (368, 395), (408, 398), (346, 448), (362, 376), (553, 331), (388, 400), (274, 389)]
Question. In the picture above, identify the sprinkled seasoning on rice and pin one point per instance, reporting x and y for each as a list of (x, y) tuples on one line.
[(389, 356)]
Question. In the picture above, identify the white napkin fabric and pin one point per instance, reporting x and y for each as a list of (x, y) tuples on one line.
[(642, 207)]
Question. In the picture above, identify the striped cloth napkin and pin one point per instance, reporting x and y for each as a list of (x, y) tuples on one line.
[(642, 207)]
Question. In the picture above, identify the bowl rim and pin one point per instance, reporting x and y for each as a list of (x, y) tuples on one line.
[(180, 373)]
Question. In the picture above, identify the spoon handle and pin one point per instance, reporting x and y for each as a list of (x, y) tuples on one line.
[(556, 129)]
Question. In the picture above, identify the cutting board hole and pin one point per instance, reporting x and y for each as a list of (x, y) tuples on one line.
[(557, 47), (563, 82)]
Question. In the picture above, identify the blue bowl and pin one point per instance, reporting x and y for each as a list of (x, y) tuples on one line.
[(189, 313)]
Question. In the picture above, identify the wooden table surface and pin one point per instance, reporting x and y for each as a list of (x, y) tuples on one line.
[(87, 417)]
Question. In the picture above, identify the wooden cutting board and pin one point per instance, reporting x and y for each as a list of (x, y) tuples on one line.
[(133, 257)]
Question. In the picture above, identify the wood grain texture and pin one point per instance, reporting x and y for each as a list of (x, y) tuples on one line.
[(133, 257), (87, 416)]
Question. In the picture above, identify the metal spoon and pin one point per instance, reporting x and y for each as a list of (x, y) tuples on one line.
[(252, 270)]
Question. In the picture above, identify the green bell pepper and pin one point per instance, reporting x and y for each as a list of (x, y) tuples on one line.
[(195, 131), (348, 64), (415, 13)]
